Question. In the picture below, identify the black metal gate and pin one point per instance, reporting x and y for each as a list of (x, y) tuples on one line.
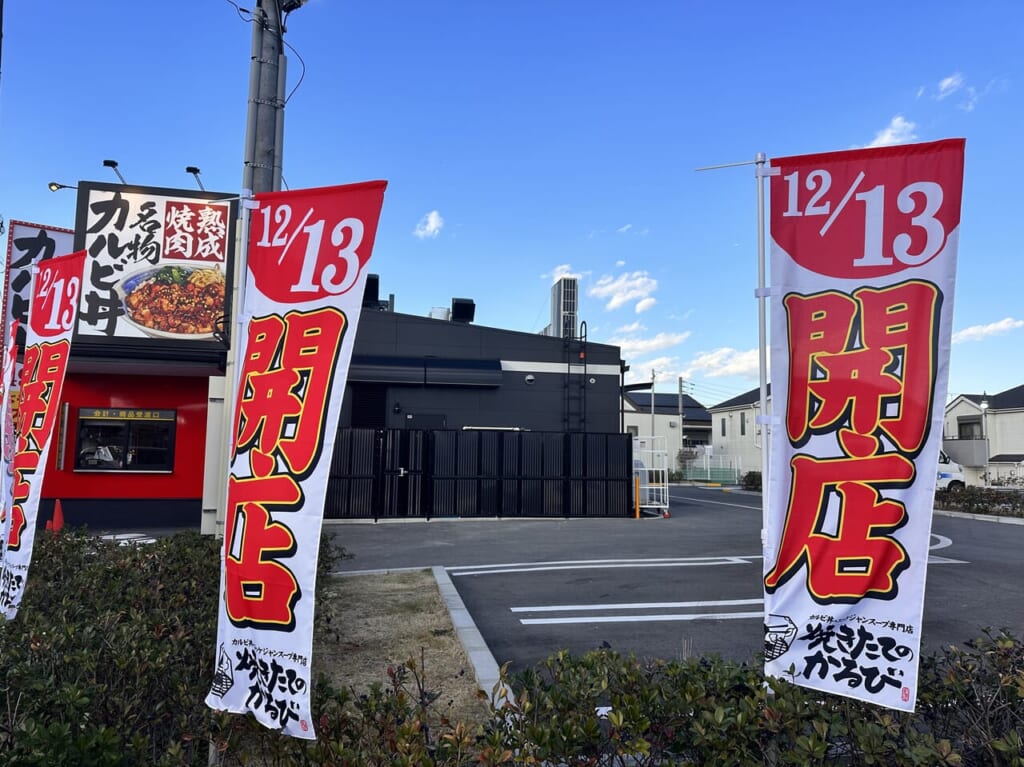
[(384, 474)]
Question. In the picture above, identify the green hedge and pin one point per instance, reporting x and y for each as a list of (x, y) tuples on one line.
[(982, 500), (109, 662)]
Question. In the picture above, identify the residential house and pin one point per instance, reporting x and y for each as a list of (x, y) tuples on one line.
[(689, 429), (984, 433), (736, 436)]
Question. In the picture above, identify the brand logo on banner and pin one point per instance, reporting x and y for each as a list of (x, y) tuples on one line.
[(306, 273), (864, 251), (28, 244), (54, 302)]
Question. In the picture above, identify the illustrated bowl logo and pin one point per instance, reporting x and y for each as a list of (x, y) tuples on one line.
[(223, 679), (779, 634)]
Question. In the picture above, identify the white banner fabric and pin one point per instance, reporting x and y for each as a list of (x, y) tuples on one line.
[(306, 273), (863, 265), (56, 287)]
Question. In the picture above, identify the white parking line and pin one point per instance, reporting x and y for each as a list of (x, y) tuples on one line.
[(624, 609), (641, 618), (636, 606), (595, 564)]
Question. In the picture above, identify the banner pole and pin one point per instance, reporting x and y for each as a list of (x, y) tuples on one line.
[(762, 336), (761, 172), (771, 752)]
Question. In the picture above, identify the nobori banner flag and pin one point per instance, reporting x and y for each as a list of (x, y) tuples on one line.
[(863, 265), (53, 307), (7, 387), (307, 257)]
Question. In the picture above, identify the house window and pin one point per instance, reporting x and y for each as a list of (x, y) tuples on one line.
[(125, 439), (633, 431), (743, 424), (968, 427), (723, 426)]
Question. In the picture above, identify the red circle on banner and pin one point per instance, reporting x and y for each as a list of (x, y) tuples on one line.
[(868, 212), (310, 244)]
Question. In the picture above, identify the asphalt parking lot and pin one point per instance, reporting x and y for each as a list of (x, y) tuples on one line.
[(689, 584)]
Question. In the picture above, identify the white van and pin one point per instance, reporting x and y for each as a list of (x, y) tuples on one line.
[(951, 476)]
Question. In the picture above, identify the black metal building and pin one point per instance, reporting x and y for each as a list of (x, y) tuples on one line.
[(442, 417), (425, 373)]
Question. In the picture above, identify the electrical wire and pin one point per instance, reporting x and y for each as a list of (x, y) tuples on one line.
[(241, 11), (302, 74), (282, 19)]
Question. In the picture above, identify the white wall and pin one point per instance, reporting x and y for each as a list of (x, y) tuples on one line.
[(742, 439), (1005, 431), (662, 428)]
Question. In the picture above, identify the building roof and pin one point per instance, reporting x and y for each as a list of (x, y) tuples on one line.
[(751, 397), (1011, 399), (668, 404)]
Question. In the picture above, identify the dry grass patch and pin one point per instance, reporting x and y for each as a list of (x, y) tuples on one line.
[(377, 621)]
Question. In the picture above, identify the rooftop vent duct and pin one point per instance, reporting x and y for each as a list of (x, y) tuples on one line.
[(463, 310)]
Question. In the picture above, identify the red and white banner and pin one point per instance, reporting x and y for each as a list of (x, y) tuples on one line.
[(56, 287), (7, 386), (307, 257), (863, 265), (27, 245)]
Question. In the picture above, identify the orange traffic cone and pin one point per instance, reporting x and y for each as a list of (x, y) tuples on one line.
[(58, 518)]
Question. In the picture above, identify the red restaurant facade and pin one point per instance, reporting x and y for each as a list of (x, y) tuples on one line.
[(130, 448)]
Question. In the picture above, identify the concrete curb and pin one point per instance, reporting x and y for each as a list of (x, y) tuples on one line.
[(980, 517), (484, 666)]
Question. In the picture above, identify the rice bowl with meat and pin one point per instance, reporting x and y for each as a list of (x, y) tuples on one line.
[(175, 300)]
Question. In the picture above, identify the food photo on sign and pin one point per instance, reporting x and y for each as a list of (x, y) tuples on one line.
[(174, 301), (158, 262)]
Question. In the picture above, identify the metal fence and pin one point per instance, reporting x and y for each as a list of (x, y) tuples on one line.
[(722, 469), (382, 474)]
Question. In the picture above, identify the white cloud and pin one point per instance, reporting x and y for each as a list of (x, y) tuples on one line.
[(724, 362), (664, 370), (898, 131), (624, 229), (564, 270), (979, 332), (949, 85), (971, 97), (920, 92), (633, 327), (645, 304), (623, 289), (636, 347), (429, 226), (620, 263)]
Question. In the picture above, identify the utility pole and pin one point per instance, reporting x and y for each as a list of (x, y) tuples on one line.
[(653, 376), (682, 414), (261, 172), (265, 123)]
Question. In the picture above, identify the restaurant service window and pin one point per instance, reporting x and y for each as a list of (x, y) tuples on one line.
[(125, 439)]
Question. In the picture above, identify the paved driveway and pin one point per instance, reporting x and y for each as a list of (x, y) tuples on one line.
[(689, 584)]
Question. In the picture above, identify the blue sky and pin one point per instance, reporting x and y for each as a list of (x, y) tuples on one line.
[(526, 139)]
